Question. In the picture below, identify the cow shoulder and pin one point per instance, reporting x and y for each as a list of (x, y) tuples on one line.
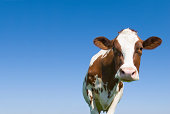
[(101, 65), (94, 70)]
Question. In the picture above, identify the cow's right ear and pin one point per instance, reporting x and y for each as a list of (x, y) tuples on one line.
[(103, 43), (152, 42)]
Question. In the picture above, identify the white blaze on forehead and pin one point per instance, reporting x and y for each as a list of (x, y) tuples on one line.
[(127, 39)]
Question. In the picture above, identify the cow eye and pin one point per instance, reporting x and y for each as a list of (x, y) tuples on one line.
[(119, 53), (139, 51)]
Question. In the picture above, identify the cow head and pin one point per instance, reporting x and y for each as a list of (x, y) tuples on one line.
[(127, 48)]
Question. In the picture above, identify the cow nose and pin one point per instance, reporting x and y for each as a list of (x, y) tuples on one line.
[(128, 71)]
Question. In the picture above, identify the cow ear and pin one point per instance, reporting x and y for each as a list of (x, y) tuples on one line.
[(152, 42), (103, 43)]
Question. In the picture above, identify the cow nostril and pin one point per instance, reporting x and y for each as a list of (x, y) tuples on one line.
[(127, 72), (133, 72), (122, 71)]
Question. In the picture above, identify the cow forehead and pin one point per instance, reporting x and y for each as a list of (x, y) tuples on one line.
[(127, 39)]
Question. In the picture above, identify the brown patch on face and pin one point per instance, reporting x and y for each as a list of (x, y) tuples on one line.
[(137, 54), (118, 56), (117, 45)]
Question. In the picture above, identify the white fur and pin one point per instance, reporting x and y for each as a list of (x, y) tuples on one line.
[(105, 102), (101, 52), (103, 96), (92, 104), (116, 100), (127, 39)]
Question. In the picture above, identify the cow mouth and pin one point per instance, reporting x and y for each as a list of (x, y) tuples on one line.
[(128, 79), (125, 80)]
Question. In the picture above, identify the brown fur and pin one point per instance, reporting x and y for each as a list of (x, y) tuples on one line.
[(137, 54)]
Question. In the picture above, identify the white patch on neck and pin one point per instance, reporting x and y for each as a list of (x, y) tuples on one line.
[(127, 39), (101, 52)]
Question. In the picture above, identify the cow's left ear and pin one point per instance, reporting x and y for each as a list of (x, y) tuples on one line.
[(103, 43), (152, 42)]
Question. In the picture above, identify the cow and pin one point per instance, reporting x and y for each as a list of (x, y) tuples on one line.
[(118, 61)]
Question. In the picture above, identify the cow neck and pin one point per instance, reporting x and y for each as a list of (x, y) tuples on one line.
[(109, 71)]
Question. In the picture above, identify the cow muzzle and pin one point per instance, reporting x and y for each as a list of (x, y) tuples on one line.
[(128, 74)]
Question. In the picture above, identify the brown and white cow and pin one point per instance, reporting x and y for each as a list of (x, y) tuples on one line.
[(118, 61)]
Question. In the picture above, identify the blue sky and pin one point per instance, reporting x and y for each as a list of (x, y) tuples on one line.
[(46, 47)]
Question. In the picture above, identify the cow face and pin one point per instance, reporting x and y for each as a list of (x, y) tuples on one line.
[(127, 48)]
